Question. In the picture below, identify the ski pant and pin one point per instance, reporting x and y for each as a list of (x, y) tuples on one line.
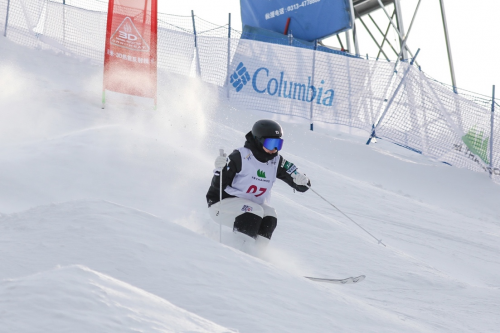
[(245, 216)]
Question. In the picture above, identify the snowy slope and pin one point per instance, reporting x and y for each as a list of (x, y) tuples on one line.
[(121, 191), (191, 271), (77, 299)]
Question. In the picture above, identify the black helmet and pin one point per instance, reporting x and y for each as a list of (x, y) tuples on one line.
[(266, 128)]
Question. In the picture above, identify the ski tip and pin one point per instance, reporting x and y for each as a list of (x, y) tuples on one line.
[(359, 278), (348, 280)]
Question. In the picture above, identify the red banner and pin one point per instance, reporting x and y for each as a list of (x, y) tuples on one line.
[(131, 42)]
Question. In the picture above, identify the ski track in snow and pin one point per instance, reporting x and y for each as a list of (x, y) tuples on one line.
[(114, 199)]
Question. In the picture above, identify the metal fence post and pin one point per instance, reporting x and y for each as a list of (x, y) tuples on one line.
[(348, 41), (448, 48), (312, 84), (198, 66), (6, 19), (228, 55), (492, 128), (64, 22)]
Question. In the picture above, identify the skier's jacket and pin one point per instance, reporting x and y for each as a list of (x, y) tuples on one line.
[(284, 171)]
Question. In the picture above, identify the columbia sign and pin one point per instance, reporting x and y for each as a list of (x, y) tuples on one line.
[(279, 85)]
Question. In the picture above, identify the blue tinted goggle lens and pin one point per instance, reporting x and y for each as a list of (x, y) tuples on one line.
[(271, 143)]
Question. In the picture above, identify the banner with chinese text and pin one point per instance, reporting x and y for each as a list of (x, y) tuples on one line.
[(130, 58), (310, 19)]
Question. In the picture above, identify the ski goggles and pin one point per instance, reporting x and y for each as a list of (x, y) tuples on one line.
[(272, 143)]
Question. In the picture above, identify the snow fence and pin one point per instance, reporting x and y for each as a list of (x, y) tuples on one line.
[(405, 107)]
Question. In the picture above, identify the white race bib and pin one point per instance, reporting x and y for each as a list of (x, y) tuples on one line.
[(255, 180)]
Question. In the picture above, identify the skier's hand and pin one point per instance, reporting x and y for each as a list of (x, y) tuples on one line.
[(220, 162), (300, 179)]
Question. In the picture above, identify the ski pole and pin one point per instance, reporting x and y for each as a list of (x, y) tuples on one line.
[(221, 152), (378, 240)]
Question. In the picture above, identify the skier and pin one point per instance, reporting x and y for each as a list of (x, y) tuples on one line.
[(248, 175)]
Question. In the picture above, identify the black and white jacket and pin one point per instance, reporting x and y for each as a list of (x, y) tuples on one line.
[(284, 170)]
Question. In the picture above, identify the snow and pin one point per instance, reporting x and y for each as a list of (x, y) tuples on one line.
[(104, 225), (83, 300)]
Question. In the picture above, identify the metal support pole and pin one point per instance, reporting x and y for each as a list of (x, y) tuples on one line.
[(399, 17), (492, 128), (228, 54), (389, 103), (369, 32), (407, 34), (385, 35), (6, 19), (64, 22), (348, 41), (194, 27), (198, 67), (395, 28), (312, 84), (349, 96), (340, 42), (106, 54), (448, 48), (354, 36)]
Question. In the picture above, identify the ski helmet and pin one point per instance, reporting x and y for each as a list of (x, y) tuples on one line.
[(266, 128), (268, 133)]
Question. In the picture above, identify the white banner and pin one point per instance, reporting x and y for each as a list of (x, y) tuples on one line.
[(314, 85)]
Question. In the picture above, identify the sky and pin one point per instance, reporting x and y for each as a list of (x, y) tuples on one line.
[(474, 36)]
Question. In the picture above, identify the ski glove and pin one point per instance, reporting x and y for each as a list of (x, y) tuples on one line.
[(220, 162), (300, 179)]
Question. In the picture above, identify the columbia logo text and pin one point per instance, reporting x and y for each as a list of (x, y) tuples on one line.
[(264, 82)]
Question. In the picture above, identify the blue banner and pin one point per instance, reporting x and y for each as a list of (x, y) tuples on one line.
[(310, 19)]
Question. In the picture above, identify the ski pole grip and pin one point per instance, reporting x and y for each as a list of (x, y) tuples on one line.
[(221, 152)]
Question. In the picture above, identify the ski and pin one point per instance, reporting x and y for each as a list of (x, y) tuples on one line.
[(348, 280)]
